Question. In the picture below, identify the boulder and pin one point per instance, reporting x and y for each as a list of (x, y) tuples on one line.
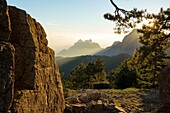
[(41, 90), (90, 95), (25, 56), (72, 100), (164, 89)]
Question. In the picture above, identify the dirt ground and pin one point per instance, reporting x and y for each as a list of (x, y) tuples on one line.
[(131, 100)]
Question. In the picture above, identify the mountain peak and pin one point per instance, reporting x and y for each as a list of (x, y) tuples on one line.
[(87, 47), (88, 41), (79, 41), (116, 43), (127, 46)]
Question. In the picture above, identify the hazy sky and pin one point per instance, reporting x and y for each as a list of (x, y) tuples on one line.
[(67, 21)]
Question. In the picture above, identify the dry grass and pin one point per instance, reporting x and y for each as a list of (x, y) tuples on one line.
[(131, 99)]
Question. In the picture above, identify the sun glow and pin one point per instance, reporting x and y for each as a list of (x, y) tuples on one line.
[(146, 22), (150, 24)]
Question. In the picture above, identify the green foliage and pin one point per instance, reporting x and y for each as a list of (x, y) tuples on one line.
[(77, 78), (126, 19), (101, 85), (147, 61), (124, 77), (83, 76), (144, 84), (67, 64)]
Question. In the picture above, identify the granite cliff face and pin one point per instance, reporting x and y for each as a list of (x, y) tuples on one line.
[(29, 78)]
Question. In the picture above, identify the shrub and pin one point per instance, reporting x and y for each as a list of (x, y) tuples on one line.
[(101, 85)]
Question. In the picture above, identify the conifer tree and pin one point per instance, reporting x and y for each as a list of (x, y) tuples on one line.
[(148, 60), (77, 78)]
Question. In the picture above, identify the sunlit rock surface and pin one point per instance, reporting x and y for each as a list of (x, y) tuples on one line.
[(29, 77)]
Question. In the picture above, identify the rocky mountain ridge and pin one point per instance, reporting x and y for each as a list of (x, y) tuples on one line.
[(80, 48), (127, 46), (87, 47)]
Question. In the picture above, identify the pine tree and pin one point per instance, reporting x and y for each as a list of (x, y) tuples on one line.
[(148, 60), (100, 73), (84, 76), (77, 78), (124, 76)]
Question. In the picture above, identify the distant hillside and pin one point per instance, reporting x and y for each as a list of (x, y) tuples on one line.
[(80, 48), (67, 64), (127, 46)]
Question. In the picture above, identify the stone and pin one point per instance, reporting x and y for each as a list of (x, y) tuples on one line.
[(7, 52), (78, 108), (72, 100), (41, 90), (91, 104), (79, 105), (84, 98), (90, 95), (104, 100), (164, 89), (5, 28), (120, 109), (29, 77), (111, 106), (94, 95), (98, 106)]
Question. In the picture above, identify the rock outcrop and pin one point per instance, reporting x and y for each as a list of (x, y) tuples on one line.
[(164, 90), (6, 76), (5, 28), (29, 78), (91, 102)]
